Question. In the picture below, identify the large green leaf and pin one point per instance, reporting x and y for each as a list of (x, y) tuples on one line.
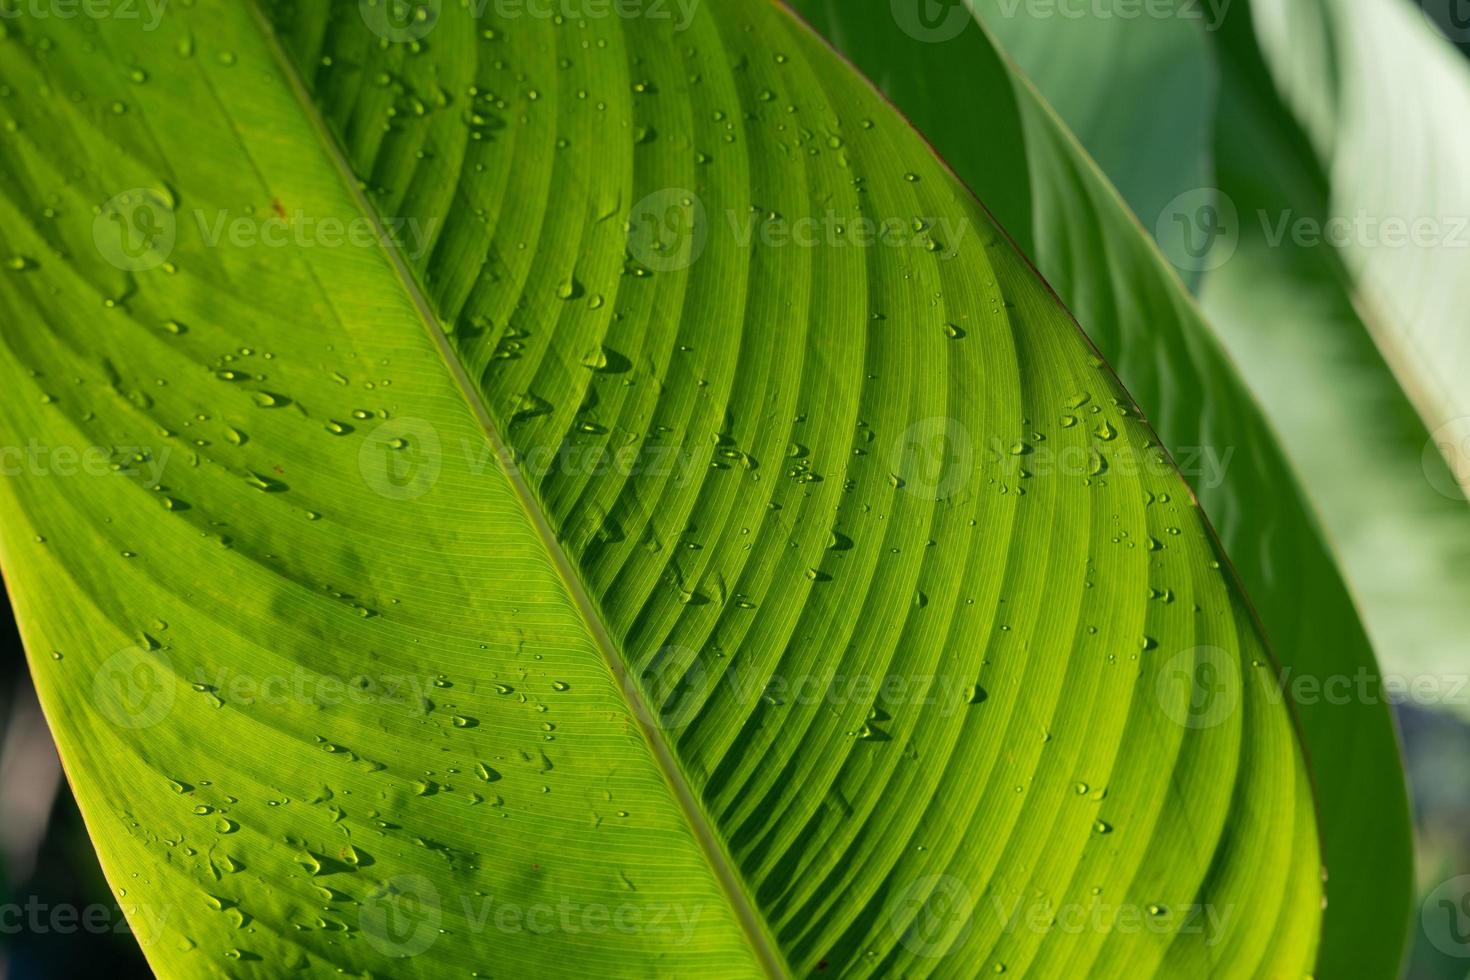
[(449, 535), (1093, 250)]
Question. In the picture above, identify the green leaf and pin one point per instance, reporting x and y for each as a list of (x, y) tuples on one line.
[(1091, 248), (482, 547)]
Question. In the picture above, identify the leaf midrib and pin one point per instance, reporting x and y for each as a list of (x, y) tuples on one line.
[(711, 844)]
